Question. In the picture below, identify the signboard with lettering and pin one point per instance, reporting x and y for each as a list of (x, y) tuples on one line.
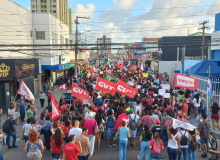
[(12, 69)]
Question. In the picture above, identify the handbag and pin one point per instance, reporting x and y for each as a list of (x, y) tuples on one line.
[(95, 131), (116, 138)]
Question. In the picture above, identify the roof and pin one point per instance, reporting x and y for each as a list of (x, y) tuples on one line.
[(151, 39), (202, 69)]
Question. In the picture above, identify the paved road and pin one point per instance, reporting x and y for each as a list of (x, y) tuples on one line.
[(105, 153)]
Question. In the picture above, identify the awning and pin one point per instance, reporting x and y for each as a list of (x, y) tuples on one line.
[(54, 67)]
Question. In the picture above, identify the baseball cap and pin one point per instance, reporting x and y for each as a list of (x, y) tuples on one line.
[(124, 111), (99, 97), (157, 121), (63, 102), (181, 115)]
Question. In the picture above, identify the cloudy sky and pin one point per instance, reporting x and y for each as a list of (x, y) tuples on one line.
[(131, 20)]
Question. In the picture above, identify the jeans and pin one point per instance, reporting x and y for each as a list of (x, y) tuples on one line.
[(26, 138), (191, 153), (42, 102), (22, 114), (184, 150), (11, 133), (172, 153), (49, 102), (165, 136), (47, 135), (56, 156), (83, 157), (122, 149), (1, 155), (91, 143), (145, 147), (66, 139)]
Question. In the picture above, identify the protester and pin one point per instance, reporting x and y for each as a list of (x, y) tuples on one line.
[(124, 134), (25, 130), (22, 108), (11, 110), (56, 144), (66, 130), (163, 120), (100, 123), (193, 144), (75, 130), (29, 112), (157, 128), (133, 120), (42, 96), (156, 146), (17, 111), (147, 120), (90, 110), (85, 154), (34, 147), (110, 123), (49, 97), (99, 101), (184, 136), (196, 102), (63, 107), (145, 139), (215, 114), (12, 131), (47, 132)]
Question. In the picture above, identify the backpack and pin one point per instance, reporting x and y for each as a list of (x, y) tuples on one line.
[(157, 147), (34, 152), (78, 104), (183, 140), (193, 143), (171, 113), (132, 123), (110, 122), (6, 126), (205, 131)]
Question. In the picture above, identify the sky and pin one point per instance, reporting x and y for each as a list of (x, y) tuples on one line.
[(132, 20)]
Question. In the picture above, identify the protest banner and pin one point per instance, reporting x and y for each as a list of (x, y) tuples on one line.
[(183, 81)]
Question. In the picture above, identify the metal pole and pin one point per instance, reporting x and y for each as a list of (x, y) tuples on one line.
[(183, 58), (209, 52), (76, 47), (178, 51)]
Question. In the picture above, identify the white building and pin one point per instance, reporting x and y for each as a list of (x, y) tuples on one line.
[(48, 30), (16, 24)]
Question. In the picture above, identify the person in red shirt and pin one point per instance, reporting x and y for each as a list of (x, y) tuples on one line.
[(56, 142), (49, 97), (63, 107), (66, 130), (96, 108), (78, 103), (156, 146), (71, 150)]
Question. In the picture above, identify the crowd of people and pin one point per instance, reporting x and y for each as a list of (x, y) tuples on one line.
[(148, 116)]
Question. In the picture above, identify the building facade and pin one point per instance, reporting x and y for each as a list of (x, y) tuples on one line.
[(104, 48), (215, 48), (58, 8)]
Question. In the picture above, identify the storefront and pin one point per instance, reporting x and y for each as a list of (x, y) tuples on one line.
[(12, 72)]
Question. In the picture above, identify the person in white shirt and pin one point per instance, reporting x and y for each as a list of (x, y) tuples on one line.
[(75, 130), (11, 110), (133, 116), (196, 103), (184, 137), (25, 130), (138, 111), (88, 112)]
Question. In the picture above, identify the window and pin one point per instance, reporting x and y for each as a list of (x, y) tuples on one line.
[(45, 1), (54, 11), (54, 0), (42, 11), (33, 6), (67, 42), (54, 6), (42, 6), (45, 6), (40, 34), (33, 11)]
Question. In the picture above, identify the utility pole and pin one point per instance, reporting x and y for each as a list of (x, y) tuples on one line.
[(183, 57), (203, 35), (76, 41)]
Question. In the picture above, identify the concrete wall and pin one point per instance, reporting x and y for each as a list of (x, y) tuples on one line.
[(166, 66), (54, 30), (16, 24)]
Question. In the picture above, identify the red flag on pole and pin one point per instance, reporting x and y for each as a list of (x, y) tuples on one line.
[(55, 111), (125, 89), (106, 86), (79, 92), (63, 86)]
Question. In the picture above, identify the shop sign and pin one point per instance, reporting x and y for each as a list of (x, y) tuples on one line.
[(4, 70)]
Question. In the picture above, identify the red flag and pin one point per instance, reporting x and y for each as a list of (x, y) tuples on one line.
[(183, 81), (125, 89), (121, 117), (88, 74), (25, 91), (63, 86), (79, 92), (133, 68), (117, 65), (106, 86), (121, 67), (140, 69), (55, 111), (108, 72)]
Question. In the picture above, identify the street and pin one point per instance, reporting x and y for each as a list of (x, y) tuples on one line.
[(106, 153)]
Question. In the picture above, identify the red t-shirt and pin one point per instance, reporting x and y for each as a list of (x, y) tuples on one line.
[(95, 109), (150, 93), (62, 108), (71, 150), (50, 114), (167, 108), (152, 144), (55, 149), (67, 129), (81, 101), (49, 96)]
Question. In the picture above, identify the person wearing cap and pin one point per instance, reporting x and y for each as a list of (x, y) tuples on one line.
[(133, 131), (63, 107), (99, 101), (12, 132), (180, 112), (90, 124), (157, 128)]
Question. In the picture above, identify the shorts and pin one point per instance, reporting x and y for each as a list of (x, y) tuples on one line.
[(111, 133), (215, 116), (155, 156), (133, 133), (17, 114), (202, 141)]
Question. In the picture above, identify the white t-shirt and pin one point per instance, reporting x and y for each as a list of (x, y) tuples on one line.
[(26, 129), (133, 116), (195, 102), (180, 135), (87, 115), (11, 112), (138, 108), (75, 131), (155, 117)]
